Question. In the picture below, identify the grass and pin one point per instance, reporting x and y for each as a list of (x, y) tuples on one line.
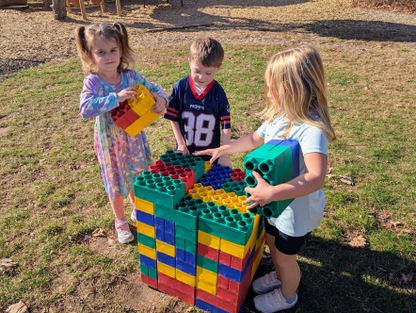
[(362, 258)]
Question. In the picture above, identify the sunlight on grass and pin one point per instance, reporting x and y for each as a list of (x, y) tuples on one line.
[(53, 197)]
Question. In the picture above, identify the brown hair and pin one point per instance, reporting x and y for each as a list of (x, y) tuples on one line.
[(85, 37), (295, 80), (208, 51)]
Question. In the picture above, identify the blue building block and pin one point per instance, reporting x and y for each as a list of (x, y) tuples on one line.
[(186, 261), (234, 274), (149, 262), (165, 230), (216, 176), (146, 218), (166, 259)]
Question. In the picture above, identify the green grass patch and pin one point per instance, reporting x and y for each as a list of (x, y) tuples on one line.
[(53, 199)]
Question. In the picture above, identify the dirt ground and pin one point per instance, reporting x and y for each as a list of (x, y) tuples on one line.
[(31, 36)]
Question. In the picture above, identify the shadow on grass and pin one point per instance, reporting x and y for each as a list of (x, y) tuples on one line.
[(348, 280), (191, 18), (364, 30)]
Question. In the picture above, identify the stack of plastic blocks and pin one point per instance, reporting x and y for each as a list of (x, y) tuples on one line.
[(277, 162), (134, 115), (202, 246)]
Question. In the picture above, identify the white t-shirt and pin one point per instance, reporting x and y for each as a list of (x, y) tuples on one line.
[(304, 213)]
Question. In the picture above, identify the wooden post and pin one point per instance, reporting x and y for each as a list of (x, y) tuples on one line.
[(118, 7), (59, 9)]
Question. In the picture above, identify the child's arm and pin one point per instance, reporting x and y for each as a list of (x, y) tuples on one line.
[(93, 100), (179, 138), (225, 140), (246, 143), (312, 180)]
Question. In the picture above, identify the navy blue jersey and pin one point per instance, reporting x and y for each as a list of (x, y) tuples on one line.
[(201, 117)]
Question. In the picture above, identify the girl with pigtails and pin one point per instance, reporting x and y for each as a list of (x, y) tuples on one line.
[(105, 56)]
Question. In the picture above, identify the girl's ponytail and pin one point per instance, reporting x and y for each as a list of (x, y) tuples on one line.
[(127, 56), (83, 49), (80, 39), (121, 29)]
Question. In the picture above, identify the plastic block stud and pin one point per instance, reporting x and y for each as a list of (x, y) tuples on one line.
[(178, 158)]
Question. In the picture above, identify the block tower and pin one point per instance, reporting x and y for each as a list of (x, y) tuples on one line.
[(196, 240)]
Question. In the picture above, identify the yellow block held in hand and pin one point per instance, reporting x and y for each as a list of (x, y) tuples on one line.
[(143, 107)]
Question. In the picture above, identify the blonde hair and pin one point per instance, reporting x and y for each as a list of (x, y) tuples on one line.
[(295, 80), (85, 37), (208, 51)]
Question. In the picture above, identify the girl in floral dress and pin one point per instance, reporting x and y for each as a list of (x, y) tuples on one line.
[(105, 55)]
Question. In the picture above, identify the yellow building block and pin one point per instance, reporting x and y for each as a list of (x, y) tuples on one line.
[(165, 248), (207, 166), (144, 100), (144, 206), (206, 280), (209, 240), (241, 251), (186, 278), (146, 229), (143, 107), (257, 260), (147, 251), (138, 125), (166, 269)]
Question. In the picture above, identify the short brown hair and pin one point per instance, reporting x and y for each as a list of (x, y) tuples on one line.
[(208, 51)]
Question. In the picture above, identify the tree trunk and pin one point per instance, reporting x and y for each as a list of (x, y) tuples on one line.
[(59, 9)]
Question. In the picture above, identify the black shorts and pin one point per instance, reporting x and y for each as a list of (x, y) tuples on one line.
[(286, 244)]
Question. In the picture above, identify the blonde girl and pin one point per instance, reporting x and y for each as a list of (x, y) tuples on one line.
[(296, 109), (105, 55)]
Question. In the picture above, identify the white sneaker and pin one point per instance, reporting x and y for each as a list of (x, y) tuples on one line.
[(124, 234), (273, 302), (266, 283), (133, 215)]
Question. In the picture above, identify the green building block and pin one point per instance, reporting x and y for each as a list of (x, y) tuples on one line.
[(274, 162), (161, 190), (206, 263), (150, 272), (230, 185), (227, 224), (186, 239), (146, 240), (275, 166)]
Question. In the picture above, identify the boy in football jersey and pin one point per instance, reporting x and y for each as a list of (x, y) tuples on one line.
[(198, 106)]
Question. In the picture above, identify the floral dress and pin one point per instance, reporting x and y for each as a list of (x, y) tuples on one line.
[(122, 157)]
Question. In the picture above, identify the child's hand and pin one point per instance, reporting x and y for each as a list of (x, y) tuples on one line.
[(183, 149), (160, 105), (128, 93), (260, 195), (214, 153), (224, 160)]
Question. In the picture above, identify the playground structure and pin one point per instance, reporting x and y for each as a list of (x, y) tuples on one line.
[(196, 240)]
